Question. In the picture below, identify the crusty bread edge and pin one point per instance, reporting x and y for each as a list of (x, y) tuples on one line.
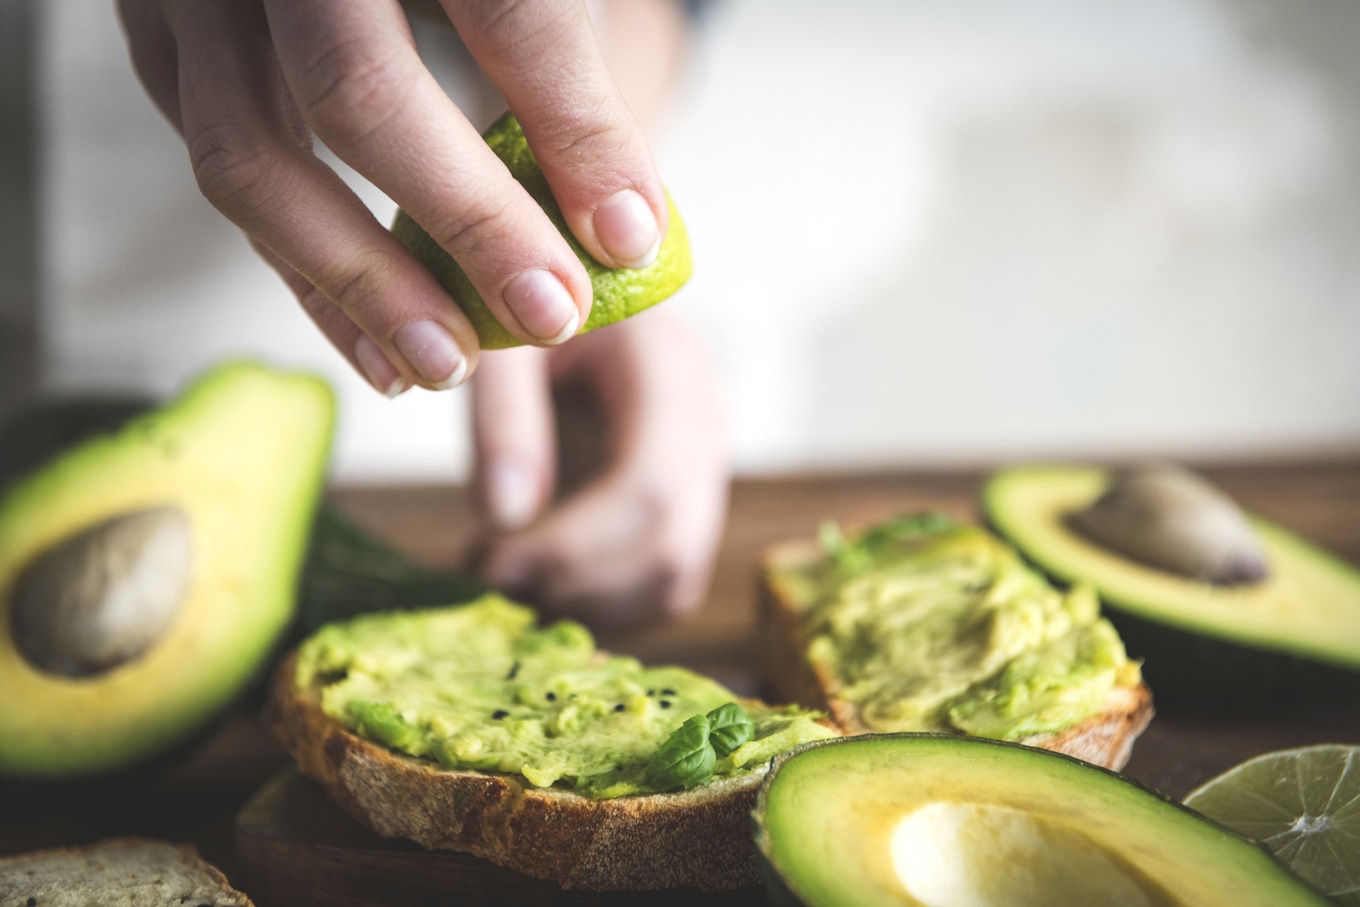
[(1105, 739), (698, 838)]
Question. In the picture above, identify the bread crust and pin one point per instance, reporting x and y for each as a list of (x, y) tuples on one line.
[(28, 877), (698, 838), (1105, 739)]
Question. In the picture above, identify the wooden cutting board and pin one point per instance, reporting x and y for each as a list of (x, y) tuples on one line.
[(296, 848)]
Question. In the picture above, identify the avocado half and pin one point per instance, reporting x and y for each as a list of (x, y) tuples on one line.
[(1295, 633), (201, 508), (938, 821)]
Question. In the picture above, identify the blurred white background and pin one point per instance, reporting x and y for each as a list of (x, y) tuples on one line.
[(923, 232)]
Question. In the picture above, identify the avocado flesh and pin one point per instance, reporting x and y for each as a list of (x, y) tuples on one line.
[(1307, 608), (481, 687), (242, 455), (920, 819), (928, 625)]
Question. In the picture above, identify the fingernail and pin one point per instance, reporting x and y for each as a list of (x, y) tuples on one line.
[(432, 352), (543, 306), (382, 374), (627, 229), (511, 494)]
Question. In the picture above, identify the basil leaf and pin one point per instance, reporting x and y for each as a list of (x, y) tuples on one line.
[(686, 759), (729, 728)]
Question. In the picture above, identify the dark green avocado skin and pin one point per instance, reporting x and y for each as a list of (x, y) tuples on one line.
[(1202, 672)]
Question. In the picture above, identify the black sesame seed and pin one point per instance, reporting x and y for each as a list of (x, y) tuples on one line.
[(668, 692), (552, 697), (620, 707), (665, 703), (32, 902), (514, 672), (651, 692), (499, 714)]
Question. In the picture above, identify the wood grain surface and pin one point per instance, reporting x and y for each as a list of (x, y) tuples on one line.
[(196, 795)]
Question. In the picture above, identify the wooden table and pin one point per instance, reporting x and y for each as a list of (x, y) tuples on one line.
[(198, 796)]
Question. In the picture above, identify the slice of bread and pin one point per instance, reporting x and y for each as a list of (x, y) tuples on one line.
[(698, 838), (135, 872), (1104, 739)]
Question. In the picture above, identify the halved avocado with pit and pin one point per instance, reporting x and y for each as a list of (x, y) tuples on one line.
[(1294, 633), (939, 821), (146, 575)]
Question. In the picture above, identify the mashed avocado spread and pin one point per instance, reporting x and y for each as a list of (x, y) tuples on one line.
[(481, 686), (931, 625)]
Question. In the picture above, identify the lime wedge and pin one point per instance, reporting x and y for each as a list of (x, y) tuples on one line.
[(1303, 805), (618, 293)]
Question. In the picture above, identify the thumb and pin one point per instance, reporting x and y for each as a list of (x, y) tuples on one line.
[(513, 440)]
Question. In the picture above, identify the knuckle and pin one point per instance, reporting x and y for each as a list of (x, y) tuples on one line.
[(235, 171), (504, 25), (472, 229), (359, 291), (588, 140), (349, 90)]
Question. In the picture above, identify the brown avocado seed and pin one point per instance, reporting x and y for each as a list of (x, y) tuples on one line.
[(105, 596), (1167, 517)]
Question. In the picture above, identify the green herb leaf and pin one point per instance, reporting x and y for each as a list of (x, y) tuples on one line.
[(858, 553), (729, 728), (686, 759)]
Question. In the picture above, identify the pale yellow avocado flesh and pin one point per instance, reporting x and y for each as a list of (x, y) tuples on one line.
[(948, 630), (242, 453), (957, 822), (1308, 605)]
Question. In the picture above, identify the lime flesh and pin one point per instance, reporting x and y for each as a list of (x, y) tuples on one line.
[(1303, 805)]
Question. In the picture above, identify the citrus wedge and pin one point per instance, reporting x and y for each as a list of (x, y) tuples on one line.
[(1301, 804)]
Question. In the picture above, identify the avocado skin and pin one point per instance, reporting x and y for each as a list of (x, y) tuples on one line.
[(783, 891), (1194, 669), (1203, 672)]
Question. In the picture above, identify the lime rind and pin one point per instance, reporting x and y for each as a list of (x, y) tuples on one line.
[(1301, 804)]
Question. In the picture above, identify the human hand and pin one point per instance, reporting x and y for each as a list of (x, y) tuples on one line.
[(637, 540), (248, 83)]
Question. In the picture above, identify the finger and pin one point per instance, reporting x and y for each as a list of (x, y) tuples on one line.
[(155, 58), (593, 558), (360, 85), (640, 539), (252, 158), (544, 57), (512, 425), (361, 352)]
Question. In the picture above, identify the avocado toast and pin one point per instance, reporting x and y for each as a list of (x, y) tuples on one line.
[(472, 729), (924, 624)]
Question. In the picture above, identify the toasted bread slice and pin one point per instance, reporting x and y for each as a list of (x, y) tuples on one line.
[(1105, 739), (136, 872), (698, 838)]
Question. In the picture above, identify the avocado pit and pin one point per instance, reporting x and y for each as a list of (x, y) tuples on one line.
[(105, 596), (1168, 518)]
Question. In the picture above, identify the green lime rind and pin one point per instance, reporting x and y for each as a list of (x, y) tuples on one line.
[(618, 293), (1303, 805)]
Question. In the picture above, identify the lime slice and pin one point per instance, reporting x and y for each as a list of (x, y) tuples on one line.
[(1303, 805), (618, 292)]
